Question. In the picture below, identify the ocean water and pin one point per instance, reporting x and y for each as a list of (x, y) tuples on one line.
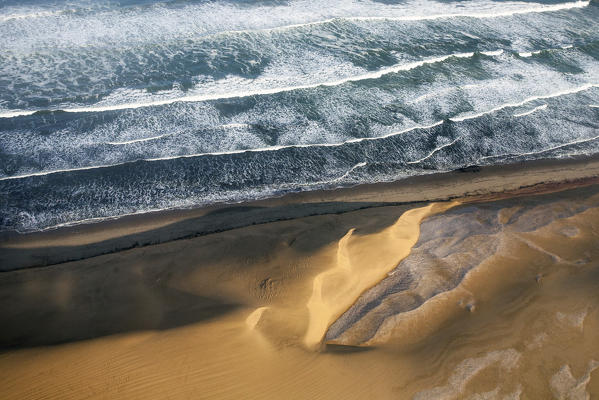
[(116, 107)]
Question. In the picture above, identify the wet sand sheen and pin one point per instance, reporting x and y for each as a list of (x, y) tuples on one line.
[(512, 311)]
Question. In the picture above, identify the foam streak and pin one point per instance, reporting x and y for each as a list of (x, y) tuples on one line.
[(138, 140), (544, 150), (527, 100), (434, 151), (272, 148), (544, 106)]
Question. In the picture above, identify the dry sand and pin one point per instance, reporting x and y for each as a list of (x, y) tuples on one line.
[(489, 297)]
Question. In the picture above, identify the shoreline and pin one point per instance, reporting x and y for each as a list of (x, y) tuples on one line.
[(383, 301), (472, 184)]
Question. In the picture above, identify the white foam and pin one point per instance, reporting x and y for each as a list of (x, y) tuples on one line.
[(527, 100), (544, 106), (539, 8), (507, 360), (222, 135), (496, 14), (215, 18), (37, 14), (544, 150), (16, 113), (257, 150), (339, 178), (252, 92), (436, 93), (435, 151), (324, 182), (565, 386), (57, 171), (530, 53), (349, 171), (138, 140), (339, 143)]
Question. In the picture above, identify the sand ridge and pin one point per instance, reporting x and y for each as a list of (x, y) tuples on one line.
[(362, 261)]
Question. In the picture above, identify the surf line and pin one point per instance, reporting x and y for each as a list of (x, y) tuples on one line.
[(540, 8), (256, 92), (356, 140), (432, 153), (578, 89), (153, 210), (544, 106), (527, 54), (575, 142), (334, 180), (257, 150)]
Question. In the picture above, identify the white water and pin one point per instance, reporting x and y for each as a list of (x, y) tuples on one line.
[(262, 89), (527, 100), (272, 148), (57, 26), (544, 106)]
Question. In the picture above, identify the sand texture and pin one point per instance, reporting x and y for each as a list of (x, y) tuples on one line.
[(478, 298)]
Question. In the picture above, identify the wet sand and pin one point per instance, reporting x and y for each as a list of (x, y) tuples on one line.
[(494, 295), (81, 241)]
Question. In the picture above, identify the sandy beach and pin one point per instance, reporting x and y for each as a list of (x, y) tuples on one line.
[(460, 285), (298, 199), (85, 240)]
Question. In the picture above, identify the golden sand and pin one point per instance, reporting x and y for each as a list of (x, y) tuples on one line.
[(361, 262), (494, 300)]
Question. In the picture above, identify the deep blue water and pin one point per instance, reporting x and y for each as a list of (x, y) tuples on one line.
[(110, 108)]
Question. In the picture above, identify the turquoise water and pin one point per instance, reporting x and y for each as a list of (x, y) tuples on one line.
[(111, 108)]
